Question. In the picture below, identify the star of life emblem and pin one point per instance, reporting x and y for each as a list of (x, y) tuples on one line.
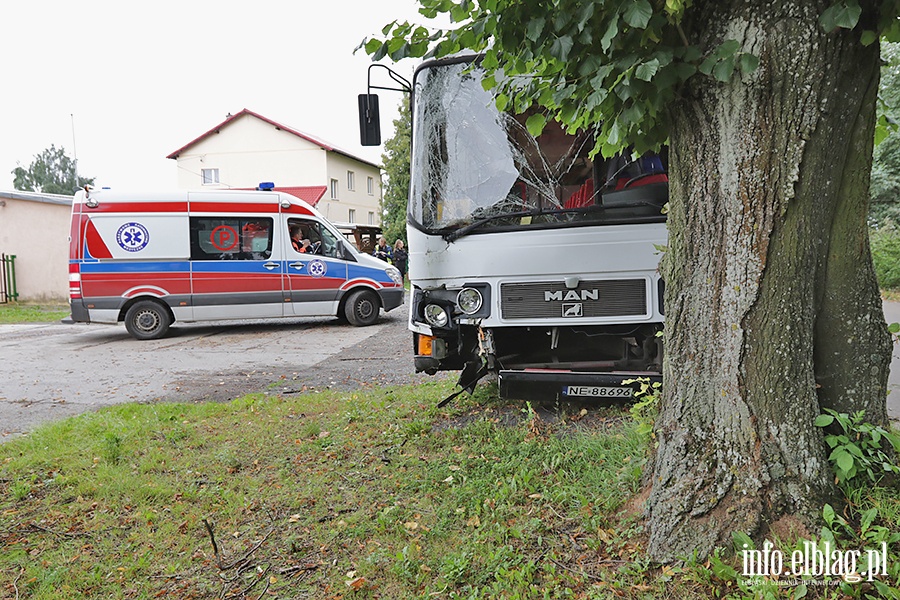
[(132, 237), (317, 268)]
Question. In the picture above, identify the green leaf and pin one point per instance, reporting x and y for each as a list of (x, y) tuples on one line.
[(586, 13), (535, 124), (647, 70), (595, 99), (828, 514), (824, 420), (894, 328), (613, 138), (844, 461), (868, 518), (748, 62), (637, 14), (561, 48), (724, 70), (844, 14), (868, 37), (854, 450), (611, 31), (380, 53), (728, 48), (741, 541), (560, 20), (400, 53), (372, 46), (502, 102), (707, 65), (534, 28), (723, 571)]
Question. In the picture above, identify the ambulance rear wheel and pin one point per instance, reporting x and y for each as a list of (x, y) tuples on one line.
[(147, 320), (362, 308)]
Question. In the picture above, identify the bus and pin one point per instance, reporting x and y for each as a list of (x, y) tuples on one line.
[(529, 257)]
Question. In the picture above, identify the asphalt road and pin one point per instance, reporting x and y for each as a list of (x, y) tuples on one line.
[(56, 370), (892, 315), (53, 370)]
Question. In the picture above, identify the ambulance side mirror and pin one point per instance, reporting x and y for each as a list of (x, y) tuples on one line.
[(369, 120), (343, 252)]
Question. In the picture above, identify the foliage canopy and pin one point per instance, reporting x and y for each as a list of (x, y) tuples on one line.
[(611, 66), (51, 172), (395, 161)]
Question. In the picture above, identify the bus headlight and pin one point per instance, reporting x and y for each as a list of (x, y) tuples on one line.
[(436, 315), (469, 300)]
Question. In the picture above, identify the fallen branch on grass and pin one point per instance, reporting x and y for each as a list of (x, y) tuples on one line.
[(291, 571), (242, 561)]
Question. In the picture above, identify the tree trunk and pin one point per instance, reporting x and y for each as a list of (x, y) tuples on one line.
[(772, 307)]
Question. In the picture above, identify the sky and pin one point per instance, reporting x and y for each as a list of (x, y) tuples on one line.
[(121, 85)]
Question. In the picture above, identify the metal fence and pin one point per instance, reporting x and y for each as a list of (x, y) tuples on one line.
[(8, 290)]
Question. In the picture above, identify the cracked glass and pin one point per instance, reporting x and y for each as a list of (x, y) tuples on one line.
[(475, 167)]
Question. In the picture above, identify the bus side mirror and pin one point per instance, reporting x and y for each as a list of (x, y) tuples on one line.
[(369, 120)]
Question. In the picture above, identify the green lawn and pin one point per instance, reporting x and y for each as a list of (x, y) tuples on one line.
[(375, 494), (32, 313)]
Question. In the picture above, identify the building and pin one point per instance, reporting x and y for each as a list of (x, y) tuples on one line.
[(247, 148), (34, 227)]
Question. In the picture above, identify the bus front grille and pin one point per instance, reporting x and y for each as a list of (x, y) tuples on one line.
[(553, 300)]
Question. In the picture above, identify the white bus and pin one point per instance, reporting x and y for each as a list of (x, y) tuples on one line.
[(528, 257)]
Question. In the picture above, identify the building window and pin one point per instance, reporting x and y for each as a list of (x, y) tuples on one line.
[(371, 218), (370, 185), (334, 189), (352, 215), (209, 176), (351, 180)]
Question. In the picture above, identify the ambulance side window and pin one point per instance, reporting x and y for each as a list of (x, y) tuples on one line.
[(231, 238), (322, 241)]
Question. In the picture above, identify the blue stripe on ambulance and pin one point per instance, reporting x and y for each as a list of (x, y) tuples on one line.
[(356, 271)]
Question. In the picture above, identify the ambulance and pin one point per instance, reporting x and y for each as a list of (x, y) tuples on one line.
[(150, 259)]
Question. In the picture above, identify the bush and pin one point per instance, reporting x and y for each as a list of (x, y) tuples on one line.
[(885, 244)]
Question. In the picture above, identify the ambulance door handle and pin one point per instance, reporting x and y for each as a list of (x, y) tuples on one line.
[(296, 265), (271, 265)]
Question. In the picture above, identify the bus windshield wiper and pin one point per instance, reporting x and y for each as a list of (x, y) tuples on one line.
[(454, 235)]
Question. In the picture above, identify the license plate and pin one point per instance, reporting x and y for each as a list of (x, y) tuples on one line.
[(592, 391)]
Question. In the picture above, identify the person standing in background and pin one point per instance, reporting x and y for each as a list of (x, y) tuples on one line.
[(382, 250), (400, 258)]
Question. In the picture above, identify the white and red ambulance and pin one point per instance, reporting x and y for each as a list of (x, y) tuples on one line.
[(150, 259)]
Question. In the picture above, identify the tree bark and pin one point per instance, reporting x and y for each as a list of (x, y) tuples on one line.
[(772, 307)]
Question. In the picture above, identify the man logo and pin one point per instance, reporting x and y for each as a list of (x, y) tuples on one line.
[(574, 309), (572, 295)]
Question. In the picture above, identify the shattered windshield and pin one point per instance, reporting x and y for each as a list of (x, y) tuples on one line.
[(474, 166)]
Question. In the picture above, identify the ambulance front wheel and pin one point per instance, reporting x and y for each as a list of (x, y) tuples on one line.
[(147, 320), (362, 308)]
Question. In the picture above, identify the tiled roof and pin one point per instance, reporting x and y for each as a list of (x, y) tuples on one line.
[(309, 138), (311, 194)]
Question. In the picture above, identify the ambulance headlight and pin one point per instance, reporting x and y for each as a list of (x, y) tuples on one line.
[(436, 315), (395, 276), (469, 300)]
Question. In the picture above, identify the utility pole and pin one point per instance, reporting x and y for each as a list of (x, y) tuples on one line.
[(74, 150)]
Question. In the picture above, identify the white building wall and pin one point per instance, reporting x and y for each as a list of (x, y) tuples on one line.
[(358, 198), (249, 151), (37, 233)]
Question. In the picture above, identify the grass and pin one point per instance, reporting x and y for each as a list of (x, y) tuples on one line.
[(337, 495), (32, 313)]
